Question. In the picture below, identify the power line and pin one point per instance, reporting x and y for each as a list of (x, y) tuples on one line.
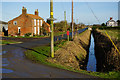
[(93, 12)]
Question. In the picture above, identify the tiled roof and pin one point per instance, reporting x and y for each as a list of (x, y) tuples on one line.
[(34, 16)]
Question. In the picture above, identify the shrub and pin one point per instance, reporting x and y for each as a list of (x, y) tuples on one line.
[(27, 34)]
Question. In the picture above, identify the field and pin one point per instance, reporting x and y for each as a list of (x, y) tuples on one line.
[(114, 34)]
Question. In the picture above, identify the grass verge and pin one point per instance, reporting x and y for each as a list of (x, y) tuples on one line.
[(59, 33), (7, 42), (27, 36), (114, 34), (42, 53), (42, 36)]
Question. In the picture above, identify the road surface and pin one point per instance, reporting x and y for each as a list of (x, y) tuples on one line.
[(15, 64)]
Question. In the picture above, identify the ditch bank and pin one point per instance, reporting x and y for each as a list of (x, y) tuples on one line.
[(106, 55), (74, 53)]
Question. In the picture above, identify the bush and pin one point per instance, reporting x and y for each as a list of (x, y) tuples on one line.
[(103, 27), (27, 34)]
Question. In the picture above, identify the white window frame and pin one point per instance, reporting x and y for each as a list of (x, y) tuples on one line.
[(38, 22), (34, 22), (38, 30), (35, 30), (15, 22), (18, 29)]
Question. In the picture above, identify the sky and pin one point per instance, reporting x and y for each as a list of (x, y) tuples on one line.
[(82, 11)]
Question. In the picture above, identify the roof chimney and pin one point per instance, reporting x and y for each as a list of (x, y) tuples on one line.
[(24, 10), (36, 12), (110, 18)]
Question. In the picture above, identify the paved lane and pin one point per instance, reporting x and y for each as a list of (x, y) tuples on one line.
[(15, 64)]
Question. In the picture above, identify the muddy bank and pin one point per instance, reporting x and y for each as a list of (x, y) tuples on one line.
[(74, 53), (107, 57)]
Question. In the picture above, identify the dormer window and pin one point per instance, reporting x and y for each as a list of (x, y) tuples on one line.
[(15, 22)]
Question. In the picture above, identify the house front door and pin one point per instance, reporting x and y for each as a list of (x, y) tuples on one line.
[(19, 30)]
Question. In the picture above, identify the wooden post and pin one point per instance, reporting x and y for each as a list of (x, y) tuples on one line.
[(52, 29)]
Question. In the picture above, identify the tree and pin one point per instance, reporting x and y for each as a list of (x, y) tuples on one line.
[(48, 21), (103, 24), (60, 26), (118, 22)]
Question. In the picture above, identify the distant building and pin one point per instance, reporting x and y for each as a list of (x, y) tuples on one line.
[(3, 28), (111, 23), (27, 23)]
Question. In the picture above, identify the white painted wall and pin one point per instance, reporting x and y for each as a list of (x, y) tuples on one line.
[(112, 24), (3, 25)]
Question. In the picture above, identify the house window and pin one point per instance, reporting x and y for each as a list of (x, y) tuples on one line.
[(35, 30), (18, 30), (40, 22), (15, 22), (34, 22), (38, 30)]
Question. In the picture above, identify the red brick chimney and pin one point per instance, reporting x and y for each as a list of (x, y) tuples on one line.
[(36, 12), (24, 10), (110, 18)]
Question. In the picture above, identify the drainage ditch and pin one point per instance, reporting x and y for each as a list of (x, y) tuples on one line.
[(105, 53), (91, 65)]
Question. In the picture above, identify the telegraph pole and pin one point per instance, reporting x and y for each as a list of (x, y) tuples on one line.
[(72, 20), (65, 21), (77, 24), (52, 29)]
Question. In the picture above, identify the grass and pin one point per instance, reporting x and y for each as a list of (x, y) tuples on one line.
[(7, 42), (27, 36), (59, 33), (55, 34), (114, 34), (42, 53)]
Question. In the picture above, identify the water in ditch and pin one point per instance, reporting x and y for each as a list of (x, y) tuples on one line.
[(91, 65)]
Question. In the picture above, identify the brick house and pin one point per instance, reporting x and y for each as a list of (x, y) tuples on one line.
[(26, 23)]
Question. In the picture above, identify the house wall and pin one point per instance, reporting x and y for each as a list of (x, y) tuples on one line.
[(40, 27), (26, 25), (24, 22), (0, 27), (112, 24), (3, 25)]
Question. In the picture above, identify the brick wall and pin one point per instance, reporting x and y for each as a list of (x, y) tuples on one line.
[(24, 22)]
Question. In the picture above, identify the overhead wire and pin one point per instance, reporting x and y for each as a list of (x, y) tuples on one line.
[(104, 30)]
